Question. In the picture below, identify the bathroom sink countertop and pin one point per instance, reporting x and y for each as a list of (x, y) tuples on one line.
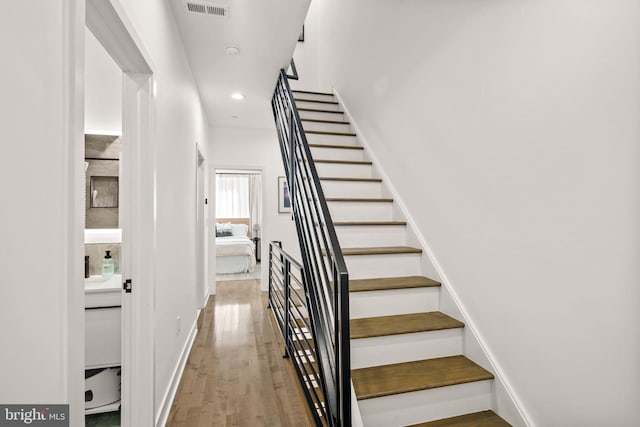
[(98, 284)]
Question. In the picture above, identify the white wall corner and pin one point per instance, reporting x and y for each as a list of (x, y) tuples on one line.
[(506, 400), (170, 393)]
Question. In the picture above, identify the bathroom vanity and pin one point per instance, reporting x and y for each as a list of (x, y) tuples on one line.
[(103, 323)]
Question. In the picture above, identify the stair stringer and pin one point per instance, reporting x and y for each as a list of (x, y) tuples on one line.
[(505, 400)]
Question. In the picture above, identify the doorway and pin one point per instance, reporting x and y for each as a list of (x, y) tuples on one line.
[(202, 289), (238, 223), (136, 204)]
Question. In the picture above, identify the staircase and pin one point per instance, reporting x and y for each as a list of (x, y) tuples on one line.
[(407, 365)]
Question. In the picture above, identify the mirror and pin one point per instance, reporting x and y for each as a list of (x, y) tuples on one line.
[(102, 171)]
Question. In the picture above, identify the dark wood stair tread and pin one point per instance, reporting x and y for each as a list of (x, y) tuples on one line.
[(312, 92), (402, 324), (316, 100), (356, 199), (337, 178), (381, 250), (335, 122), (477, 419), (369, 223), (343, 162), (385, 380), (316, 110), (387, 283), (345, 147), (328, 132)]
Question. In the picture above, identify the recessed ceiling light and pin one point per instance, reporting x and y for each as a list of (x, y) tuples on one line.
[(237, 95), (231, 50)]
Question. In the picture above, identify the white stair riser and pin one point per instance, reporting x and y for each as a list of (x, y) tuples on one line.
[(370, 236), (317, 105), (362, 211), (368, 266), (336, 154), (321, 115), (400, 348), (315, 96), (318, 138), (326, 127), (351, 189), (392, 302), (344, 170), (426, 405)]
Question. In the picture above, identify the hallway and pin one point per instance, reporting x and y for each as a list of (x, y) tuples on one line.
[(235, 374)]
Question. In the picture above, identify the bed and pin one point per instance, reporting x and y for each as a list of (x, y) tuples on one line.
[(235, 251)]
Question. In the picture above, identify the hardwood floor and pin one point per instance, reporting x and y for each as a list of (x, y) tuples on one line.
[(235, 374)]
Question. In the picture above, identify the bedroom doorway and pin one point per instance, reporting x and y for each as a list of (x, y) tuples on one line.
[(238, 224)]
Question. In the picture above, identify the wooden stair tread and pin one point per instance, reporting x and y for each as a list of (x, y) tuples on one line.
[(369, 223), (316, 100), (385, 380), (387, 283), (337, 178), (356, 199), (345, 147), (328, 132), (343, 162), (477, 419), (402, 324), (335, 122), (381, 250), (316, 110), (312, 92)]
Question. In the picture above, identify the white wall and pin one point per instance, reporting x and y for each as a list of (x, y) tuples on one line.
[(180, 122), (40, 166), (102, 90), (511, 131), (242, 148)]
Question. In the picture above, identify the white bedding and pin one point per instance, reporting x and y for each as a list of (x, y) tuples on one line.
[(234, 254)]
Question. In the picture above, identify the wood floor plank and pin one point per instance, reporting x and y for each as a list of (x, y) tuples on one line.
[(358, 199), (335, 122), (315, 110), (477, 419), (344, 162), (402, 324), (320, 101), (338, 147), (386, 283), (381, 250), (326, 132), (369, 223), (337, 178), (378, 381), (311, 92), (235, 374)]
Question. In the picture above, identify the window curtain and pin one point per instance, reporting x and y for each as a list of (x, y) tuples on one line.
[(232, 196), (255, 202)]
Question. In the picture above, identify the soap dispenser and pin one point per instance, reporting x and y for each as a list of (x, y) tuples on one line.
[(107, 266)]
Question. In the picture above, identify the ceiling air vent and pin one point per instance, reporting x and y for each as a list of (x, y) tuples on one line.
[(208, 8)]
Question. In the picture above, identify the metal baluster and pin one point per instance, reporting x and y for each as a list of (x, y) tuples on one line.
[(287, 302)]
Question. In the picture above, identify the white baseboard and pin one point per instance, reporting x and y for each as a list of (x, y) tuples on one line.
[(176, 376), (470, 325)]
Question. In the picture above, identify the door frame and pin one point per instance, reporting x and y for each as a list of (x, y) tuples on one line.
[(201, 208), (107, 20)]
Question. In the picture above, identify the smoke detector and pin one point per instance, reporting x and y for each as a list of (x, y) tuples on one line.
[(207, 8)]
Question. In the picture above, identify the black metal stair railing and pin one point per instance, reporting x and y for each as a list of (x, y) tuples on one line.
[(324, 272)]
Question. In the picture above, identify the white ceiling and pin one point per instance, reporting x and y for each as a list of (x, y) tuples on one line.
[(266, 31)]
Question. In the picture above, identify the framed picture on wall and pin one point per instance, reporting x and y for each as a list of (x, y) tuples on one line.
[(284, 198)]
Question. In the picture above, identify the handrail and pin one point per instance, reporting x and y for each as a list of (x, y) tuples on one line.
[(324, 268)]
